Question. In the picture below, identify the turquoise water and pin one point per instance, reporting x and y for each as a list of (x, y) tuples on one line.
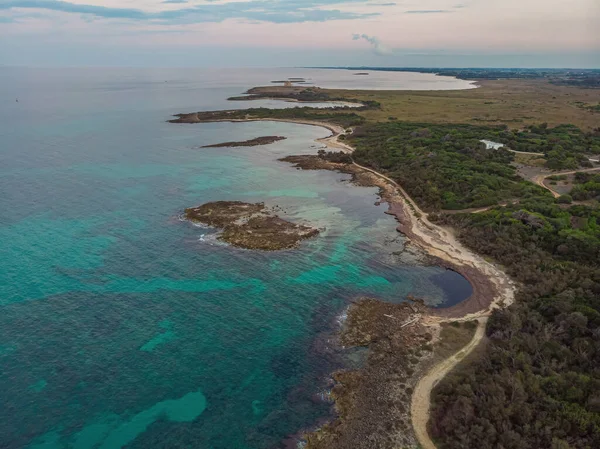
[(120, 325)]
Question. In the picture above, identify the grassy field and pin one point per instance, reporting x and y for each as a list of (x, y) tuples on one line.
[(530, 160), (512, 102)]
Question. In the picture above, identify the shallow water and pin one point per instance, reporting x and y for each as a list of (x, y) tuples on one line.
[(121, 325)]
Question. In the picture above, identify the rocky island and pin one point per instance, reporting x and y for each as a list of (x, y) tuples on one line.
[(265, 140), (250, 225)]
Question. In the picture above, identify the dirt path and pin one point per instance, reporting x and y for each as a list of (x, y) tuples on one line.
[(539, 179), (442, 243), (421, 398), (477, 210), (525, 152), (542, 154)]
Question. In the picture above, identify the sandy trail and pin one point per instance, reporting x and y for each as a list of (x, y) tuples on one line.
[(442, 243), (421, 398), (540, 179), (525, 152), (478, 210)]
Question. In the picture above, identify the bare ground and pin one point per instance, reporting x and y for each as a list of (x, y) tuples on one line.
[(541, 179)]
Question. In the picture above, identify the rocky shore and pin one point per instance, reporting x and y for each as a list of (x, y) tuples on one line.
[(491, 287), (373, 402), (312, 162), (408, 342), (250, 225)]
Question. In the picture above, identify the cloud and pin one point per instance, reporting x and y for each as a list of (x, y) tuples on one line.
[(291, 11), (175, 1), (378, 47), (428, 11)]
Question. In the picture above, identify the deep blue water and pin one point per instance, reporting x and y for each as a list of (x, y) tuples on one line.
[(119, 327)]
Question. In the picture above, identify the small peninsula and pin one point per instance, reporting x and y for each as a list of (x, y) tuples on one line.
[(250, 225), (302, 94), (264, 140)]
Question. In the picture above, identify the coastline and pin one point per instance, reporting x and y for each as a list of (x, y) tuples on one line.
[(331, 141), (337, 103), (492, 289)]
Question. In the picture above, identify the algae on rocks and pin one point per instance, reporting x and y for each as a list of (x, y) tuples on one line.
[(250, 225)]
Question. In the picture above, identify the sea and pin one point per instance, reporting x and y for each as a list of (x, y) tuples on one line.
[(123, 326)]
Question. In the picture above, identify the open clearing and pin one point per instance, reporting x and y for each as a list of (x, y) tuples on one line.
[(515, 103)]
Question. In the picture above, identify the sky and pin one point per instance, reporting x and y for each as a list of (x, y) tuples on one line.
[(263, 33)]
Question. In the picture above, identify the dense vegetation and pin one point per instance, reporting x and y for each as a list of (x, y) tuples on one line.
[(442, 166), (587, 186), (340, 116), (537, 384), (309, 94), (565, 146)]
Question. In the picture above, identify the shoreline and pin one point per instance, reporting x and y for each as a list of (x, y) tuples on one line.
[(338, 103), (331, 141), (492, 288)]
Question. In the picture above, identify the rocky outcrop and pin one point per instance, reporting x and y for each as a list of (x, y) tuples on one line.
[(250, 225), (265, 140)]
